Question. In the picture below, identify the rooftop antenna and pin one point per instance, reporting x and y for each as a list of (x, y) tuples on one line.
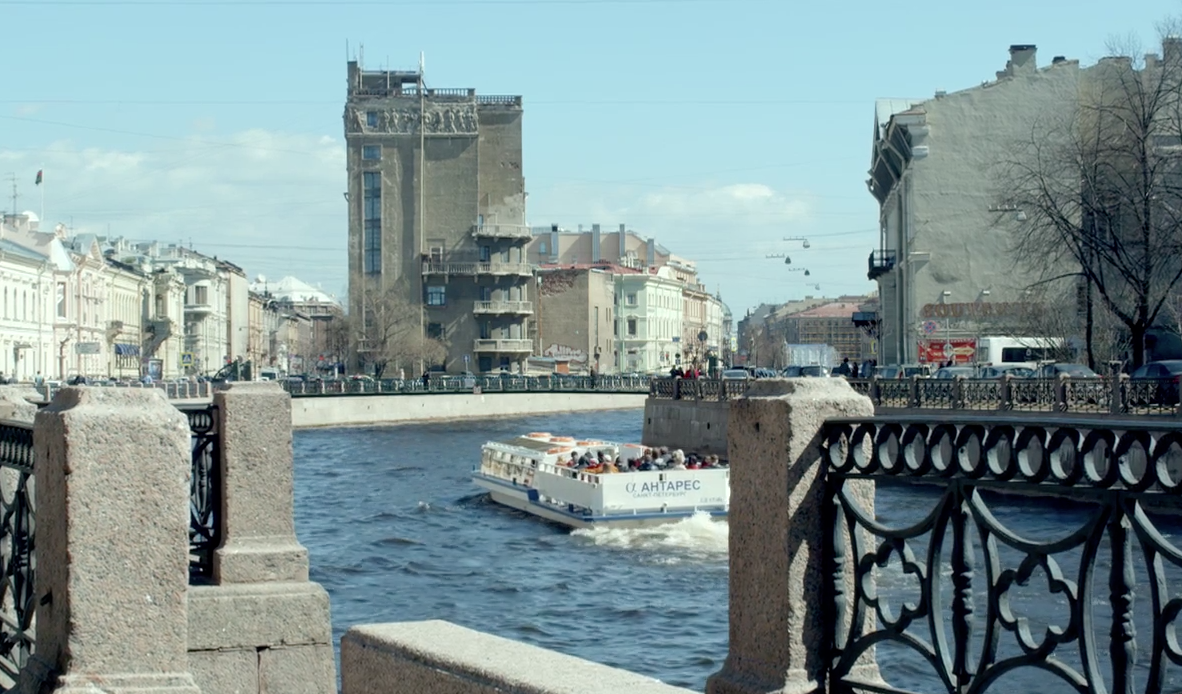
[(361, 56)]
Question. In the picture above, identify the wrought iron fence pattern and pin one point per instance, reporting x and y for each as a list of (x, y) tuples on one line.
[(982, 394), (506, 383), (17, 555), (204, 492), (1118, 473)]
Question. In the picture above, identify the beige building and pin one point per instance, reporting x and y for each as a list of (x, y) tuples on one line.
[(943, 264), (575, 316), (437, 213), (624, 248)]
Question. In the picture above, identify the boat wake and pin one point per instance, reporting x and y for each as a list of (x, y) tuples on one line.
[(697, 538)]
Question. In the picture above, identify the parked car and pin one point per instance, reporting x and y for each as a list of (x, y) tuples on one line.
[(814, 371), (765, 373), (1071, 370), (1013, 370), (735, 375), (791, 372), (951, 372), (1156, 383)]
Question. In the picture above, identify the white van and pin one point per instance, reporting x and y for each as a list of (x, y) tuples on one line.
[(269, 375), (1018, 351)]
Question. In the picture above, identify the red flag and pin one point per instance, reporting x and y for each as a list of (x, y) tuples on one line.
[(38, 181)]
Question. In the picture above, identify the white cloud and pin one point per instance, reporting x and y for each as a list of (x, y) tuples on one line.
[(269, 201)]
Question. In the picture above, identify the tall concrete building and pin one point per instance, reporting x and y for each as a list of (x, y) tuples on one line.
[(437, 213)]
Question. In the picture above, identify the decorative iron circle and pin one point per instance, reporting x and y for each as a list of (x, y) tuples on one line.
[(1132, 460), (1167, 461), (942, 449), (862, 448), (915, 450), (886, 448), (1031, 454), (999, 452), (970, 455), (1099, 466), (1063, 455), (837, 447)]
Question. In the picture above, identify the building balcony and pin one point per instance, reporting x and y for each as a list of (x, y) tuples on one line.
[(880, 263), (199, 309), (502, 231), (520, 308), (503, 346), (448, 267)]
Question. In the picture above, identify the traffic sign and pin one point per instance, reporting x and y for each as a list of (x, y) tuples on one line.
[(186, 358), (930, 326), (949, 350), (465, 360)]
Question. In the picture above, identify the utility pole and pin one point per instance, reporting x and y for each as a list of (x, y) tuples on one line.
[(15, 194)]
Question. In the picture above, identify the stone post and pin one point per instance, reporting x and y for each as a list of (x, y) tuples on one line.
[(1007, 393), (263, 627), (777, 535), (112, 492), (875, 390), (1061, 392)]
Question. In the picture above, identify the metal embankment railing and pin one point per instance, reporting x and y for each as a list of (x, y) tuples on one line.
[(946, 579), (468, 384), (1079, 395), (17, 559), (205, 487)]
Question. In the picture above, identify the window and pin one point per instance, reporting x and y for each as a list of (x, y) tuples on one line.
[(505, 256), (201, 295), (486, 293), (435, 331), (371, 215), (485, 254), (631, 327), (542, 248), (631, 299), (486, 331), (437, 296), (371, 119), (61, 300), (371, 152), (616, 329)]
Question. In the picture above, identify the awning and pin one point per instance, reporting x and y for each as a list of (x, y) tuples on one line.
[(125, 350)]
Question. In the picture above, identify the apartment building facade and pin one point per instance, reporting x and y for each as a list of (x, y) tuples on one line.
[(943, 265), (437, 213)]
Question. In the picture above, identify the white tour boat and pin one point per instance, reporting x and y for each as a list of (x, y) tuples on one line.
[(530, 474)]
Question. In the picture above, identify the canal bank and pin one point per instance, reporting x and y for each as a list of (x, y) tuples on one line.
[(367, 410)]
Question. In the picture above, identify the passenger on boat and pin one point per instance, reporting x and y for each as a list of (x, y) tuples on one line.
[(691, 462), (677, 461), (608, 466)]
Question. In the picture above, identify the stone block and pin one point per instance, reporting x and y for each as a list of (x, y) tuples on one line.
[(17, 402), (260, 615), (777, 532), (443, 658), (231, 671), (297, 670), (112, 469), (254, 420)]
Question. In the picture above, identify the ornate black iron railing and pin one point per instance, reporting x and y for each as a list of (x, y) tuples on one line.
[(17, 557), (1110, 485), (204, 492)]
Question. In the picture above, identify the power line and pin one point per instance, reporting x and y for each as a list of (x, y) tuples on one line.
[(360, 3)]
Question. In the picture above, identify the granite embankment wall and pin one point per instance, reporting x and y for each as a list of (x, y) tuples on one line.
[(692, 425), (360, 410)]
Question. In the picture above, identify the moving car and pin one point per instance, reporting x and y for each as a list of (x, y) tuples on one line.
[(1156, 383)]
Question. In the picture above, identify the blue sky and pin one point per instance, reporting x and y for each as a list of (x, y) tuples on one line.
[(718, 127)]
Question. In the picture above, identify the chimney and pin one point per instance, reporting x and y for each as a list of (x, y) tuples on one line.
[(1058, 59), (1022, 59), (594, 243), (1171, 49), (623, 235)]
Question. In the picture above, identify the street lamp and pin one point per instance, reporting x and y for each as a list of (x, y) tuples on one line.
[(800, 269)]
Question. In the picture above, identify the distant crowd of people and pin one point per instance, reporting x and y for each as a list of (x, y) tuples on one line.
[(658, 459)]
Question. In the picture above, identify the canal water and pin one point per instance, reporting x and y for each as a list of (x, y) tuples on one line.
[(396, 531)]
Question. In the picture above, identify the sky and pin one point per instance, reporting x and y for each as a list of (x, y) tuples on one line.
[(718, 127)]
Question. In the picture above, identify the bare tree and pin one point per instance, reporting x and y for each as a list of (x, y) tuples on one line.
[(388, 330), (1101, 191)]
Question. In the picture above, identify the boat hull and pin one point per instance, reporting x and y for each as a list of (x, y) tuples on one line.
[(519, 497)]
